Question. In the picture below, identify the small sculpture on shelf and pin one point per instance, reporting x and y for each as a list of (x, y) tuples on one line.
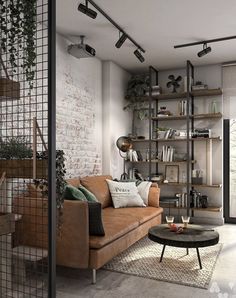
[(163, 112), (174, 82)]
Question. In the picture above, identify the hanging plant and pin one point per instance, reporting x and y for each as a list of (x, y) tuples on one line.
[(18, 26), (60, 181)]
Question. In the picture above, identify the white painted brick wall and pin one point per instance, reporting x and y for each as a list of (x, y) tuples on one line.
[(79, 117)]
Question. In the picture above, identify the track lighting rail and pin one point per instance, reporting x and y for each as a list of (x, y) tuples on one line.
[(115, 24), (204, 42)]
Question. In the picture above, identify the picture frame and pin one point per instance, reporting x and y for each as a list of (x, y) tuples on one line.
[(172, 173)]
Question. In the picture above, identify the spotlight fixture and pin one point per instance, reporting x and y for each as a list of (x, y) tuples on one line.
[(205, 50), (92, 14), (86, 10), (121, 40), (139, 55)]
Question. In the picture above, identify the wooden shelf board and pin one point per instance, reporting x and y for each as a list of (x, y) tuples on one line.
[(161, 162), (207, 92), (207, 116), (177, 140), (184, 139), (173, 184), (184, 117), (207, 185), (209, 209), (194, 185), (167, 96), (196, 93)]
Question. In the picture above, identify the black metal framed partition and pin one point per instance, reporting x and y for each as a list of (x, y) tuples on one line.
[(27, 149), (229, 218)]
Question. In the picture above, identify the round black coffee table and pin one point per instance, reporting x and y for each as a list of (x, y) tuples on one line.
[(193, 236)]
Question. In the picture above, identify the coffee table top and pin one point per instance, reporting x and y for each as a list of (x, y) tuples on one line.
[(192, 237)]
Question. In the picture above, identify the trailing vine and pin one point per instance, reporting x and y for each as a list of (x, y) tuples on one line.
[(18, 25), (60, 181)]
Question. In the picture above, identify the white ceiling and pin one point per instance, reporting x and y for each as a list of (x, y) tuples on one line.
[(157, 25)]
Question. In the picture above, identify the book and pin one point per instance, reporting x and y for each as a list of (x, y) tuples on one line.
[(140, 157)]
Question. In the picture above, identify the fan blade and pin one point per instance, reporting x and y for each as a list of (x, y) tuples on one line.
[(179, 79)]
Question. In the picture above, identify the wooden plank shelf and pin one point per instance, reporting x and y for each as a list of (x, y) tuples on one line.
[(162, 162), (196, 93), (193, 185), (207, 185), (184, 117), (209, 209), (184, 139), (23, 168), (207, 92), (174, 96), (177, 140)]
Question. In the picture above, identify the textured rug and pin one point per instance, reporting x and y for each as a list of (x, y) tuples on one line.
[(142, 259)]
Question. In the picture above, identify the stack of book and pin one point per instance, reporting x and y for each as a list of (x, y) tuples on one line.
[(167, 154), (134, 155), (183, 107), (169, 134)]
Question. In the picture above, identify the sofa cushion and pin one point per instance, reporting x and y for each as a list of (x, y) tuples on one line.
[(90, 197), (74, 182), (140, 214), (98, 186), (125, 194), (115, 226), (95, 219), (73, 193)]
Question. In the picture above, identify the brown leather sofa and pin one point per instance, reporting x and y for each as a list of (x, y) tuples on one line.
[(75, 247)]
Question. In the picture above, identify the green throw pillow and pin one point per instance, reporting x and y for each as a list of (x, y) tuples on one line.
[(88, 194), (73, 193)]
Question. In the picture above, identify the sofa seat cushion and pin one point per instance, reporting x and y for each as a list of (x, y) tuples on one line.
[(115, 226), (139, 214)]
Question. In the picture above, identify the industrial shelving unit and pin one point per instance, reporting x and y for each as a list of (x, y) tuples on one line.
[(189, 121)]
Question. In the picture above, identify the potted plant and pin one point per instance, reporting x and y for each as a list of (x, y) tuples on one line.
[(16, 159), (160, 132), (18, 23)]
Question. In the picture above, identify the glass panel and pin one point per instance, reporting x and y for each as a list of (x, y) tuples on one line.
[(232, 199), (23, 148)]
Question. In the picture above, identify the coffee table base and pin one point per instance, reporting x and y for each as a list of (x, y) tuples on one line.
[(198, 255)]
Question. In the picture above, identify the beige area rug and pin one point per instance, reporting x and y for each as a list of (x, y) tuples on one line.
[(142, 259)]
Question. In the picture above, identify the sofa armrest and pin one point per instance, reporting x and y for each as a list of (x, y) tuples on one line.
[(154, 195), (73, 241)]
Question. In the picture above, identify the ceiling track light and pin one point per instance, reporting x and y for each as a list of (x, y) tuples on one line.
[(139, 55), (91, 13), (205, 51), (121, 40), (86, 10)]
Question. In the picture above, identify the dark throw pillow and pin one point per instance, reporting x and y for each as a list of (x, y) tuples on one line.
[(95, 219), (88, 194), (73, 193)]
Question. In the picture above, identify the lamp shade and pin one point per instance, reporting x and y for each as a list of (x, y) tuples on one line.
[(124, 143)]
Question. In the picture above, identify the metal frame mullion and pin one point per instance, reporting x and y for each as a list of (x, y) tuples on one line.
[(52, 148), (188, 139), (151, 69)]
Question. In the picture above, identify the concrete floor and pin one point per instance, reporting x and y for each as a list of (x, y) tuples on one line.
[(77, 283)]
